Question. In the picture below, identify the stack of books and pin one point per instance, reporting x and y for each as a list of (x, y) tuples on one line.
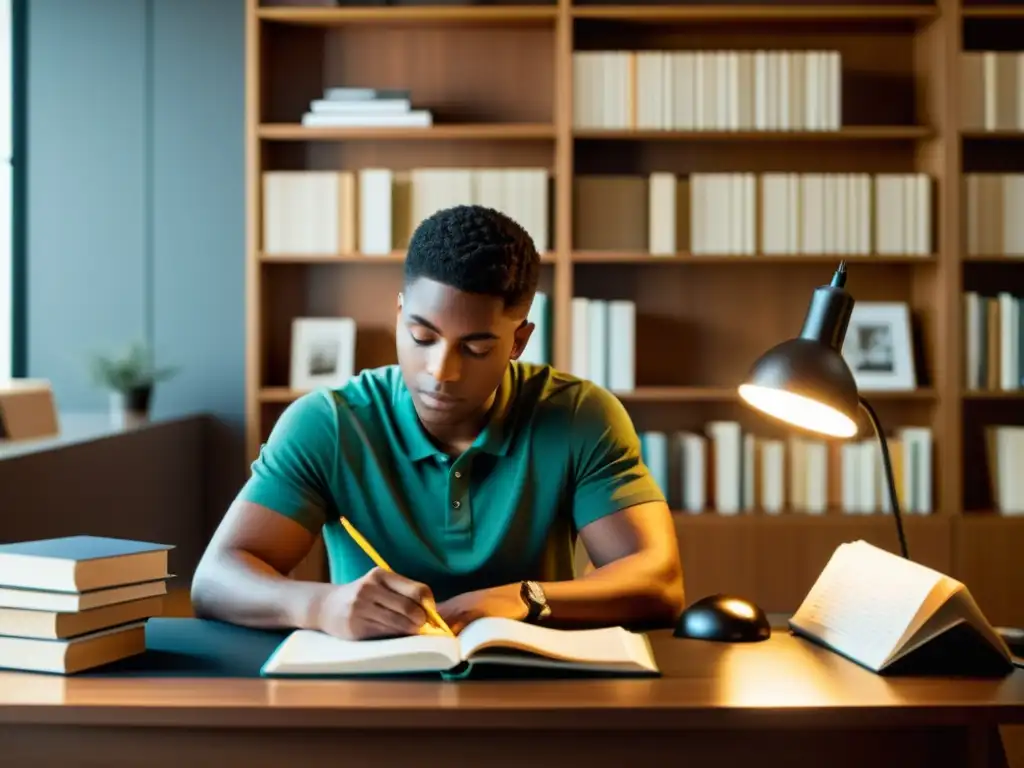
[(78, 602), (366, 108)]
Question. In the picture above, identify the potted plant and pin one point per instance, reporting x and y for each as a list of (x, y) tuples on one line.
[(130, 379)]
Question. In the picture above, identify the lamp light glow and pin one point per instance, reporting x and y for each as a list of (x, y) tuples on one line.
[(798, 410)]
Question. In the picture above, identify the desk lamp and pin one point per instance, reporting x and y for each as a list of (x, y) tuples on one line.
[(805, 382)]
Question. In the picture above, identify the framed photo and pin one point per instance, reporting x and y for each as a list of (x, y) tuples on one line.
[(879, 346), (323, 352)]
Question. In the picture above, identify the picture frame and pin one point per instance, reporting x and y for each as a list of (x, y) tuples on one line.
[(323, 352), (879, 346)]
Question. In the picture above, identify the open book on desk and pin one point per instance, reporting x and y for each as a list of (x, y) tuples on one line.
[(895, 616), (488, 641)]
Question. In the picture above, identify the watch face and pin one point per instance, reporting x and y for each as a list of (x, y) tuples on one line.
[(536, 593)]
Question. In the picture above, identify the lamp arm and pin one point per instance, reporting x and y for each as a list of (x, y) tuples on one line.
[(887, 465)]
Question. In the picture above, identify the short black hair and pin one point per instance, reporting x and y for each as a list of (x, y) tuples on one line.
[(477, 250)]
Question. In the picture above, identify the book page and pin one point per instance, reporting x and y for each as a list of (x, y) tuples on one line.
[(611, 646), (973, 615), (865, 601), (306, 652)]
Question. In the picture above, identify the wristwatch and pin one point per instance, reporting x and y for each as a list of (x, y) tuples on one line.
[(537, 607)]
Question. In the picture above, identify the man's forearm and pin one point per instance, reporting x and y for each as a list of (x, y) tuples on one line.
[(241, 589), (632, 589)]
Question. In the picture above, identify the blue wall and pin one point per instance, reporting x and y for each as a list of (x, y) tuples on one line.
[(135, 185)]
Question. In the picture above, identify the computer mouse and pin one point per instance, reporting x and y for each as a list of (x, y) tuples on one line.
[(723, 618)]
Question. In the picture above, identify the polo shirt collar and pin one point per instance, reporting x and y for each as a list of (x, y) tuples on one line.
[(494, 438)]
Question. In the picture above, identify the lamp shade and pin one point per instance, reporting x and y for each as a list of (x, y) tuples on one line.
[(805, 382)]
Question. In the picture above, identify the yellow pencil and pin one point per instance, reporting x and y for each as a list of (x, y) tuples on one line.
[(372, 554)]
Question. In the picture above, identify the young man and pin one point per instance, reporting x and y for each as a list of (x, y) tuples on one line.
[(469, 472)]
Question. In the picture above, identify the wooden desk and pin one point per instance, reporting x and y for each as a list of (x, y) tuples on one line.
[(782, 702)]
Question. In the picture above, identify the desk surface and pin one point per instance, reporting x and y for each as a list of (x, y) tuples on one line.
[(782, 682)]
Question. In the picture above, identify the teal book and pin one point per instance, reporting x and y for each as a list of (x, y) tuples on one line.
[(487, 642), (81, 563)]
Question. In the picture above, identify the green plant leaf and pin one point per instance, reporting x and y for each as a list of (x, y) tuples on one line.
[(133, 369)]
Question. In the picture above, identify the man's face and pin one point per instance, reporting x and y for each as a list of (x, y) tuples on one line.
[(453, 349)]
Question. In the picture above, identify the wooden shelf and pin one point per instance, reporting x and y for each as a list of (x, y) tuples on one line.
[(505, 74), (763, 12), (851, 133), (990, 517), (994, 259), (992, 11), (395, 257), (725, 394), (650, 395), (468, 131), (994, 394), (326, 17), (830, 518), (1000, 135), (625, 257), (279, 394)]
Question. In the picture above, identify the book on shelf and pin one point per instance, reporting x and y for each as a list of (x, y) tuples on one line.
[(604, 342), (78, 602), (991, 214), (747, 214), (990, 84), (374, 211), (1004, 454), (366, 108), (992, 342), (894, 616), (488, 642), (538, 348), (688, 90), (732, 470)]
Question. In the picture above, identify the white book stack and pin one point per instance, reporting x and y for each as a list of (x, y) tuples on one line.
[(792, 214), (604, 342), (365, 108), (1004, 455), (309, 213), (707, 90), (816, 213), (723, 214), (376, 210), (992, 88), (522, 194), (730, 471), (863, 484), (77, 602), (373, 211)]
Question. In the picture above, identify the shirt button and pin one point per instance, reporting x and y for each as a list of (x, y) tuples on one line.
[(456, 504), (458, 474)]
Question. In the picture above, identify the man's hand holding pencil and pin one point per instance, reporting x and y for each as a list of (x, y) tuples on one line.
[(381, 603)]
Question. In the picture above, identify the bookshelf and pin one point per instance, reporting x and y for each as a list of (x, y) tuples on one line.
[(503, 83)]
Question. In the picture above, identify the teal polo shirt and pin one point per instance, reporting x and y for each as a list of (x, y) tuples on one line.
[(558, 453)]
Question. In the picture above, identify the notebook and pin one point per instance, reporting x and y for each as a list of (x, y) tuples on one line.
[(894, 616), (487, 641)]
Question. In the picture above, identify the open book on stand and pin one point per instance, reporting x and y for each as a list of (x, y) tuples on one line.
[(488, 641), (894, 616)]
